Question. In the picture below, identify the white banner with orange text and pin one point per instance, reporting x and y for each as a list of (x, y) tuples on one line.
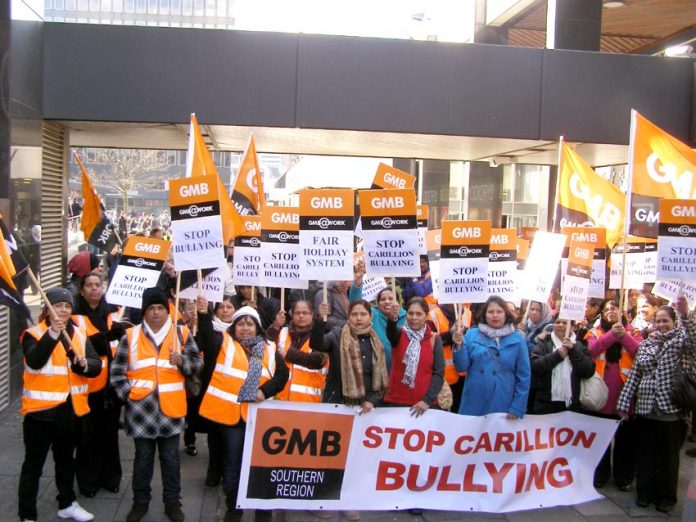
[(326, 457)]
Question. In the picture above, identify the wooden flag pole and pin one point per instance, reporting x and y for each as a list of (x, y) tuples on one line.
[(282, 298), (176, 312), (393, 285), (325, 299), (199, 274)]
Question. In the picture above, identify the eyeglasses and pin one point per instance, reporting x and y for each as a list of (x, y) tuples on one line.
[(302, 312)]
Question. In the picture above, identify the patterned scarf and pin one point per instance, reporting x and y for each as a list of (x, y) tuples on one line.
[(647, 356), (254, 348), (412, 355), (352, 368), (496, 333), (561, 389)]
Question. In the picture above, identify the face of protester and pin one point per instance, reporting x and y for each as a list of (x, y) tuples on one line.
[(663, 322), (301, 315), (535, 312), (245, 292), (92, 290), (645, 310), (245, 328), (495, 316), (359, 317), (610, 313), (63, 311), (225, 311), (386, 299), (591, 310), (559, 328), (416, 316), (155, 316), (424, 265)]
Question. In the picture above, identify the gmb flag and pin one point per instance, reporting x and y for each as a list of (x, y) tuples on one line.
[(247, 192), (585, 198), (662, 167), (95, 225)]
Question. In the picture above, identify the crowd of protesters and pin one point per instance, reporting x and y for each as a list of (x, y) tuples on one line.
[(196, 369)]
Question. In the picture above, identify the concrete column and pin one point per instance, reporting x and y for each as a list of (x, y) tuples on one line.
[(574, 24)]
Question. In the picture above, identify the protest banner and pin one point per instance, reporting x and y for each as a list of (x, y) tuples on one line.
[(650, 260), (139, 268), (280, 248), (597, 237), (676, 247), (661, 167), (388, 218), (96, 227), (522, 248), (422, 216), (673, 288), (246, 265), (197, 239), (248, 195), (324, 456), (635, 264), (388, 177), (576, 283), (464, 261), (211, 285), (502, 265), (326, 234), (542, 266)]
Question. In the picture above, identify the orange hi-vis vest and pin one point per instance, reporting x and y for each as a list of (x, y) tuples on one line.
[(50, 385), (220, 402), (304, 384), (625, 362), (148, 368), (442, 324), (97, 383)]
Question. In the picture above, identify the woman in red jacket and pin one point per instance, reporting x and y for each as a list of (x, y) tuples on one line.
[(418, 363)]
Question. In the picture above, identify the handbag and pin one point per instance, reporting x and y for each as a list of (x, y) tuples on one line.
[(683, 389), (444, 398), (593, 393), (193, 385)]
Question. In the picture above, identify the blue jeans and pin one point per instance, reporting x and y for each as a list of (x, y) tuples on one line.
[(233, 441), (144, 464)]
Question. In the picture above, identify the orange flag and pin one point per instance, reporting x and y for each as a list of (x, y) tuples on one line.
[(200, 163), (661, 167), (7, 269), (584, 198), (91, 209), (247, 194)]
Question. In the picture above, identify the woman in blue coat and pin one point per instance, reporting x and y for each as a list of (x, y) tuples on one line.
[(496, 357)]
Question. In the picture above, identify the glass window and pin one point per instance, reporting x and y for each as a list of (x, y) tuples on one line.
[(176, 6), (140, 6), (198, 8), (118, 6), (152, 6), (48, 4), (82, 5), (222, 8), (129, 6), (106, 6), (58, 5), (188, 8), (210, 7), (164, 6), (94, 5), (70, 5)]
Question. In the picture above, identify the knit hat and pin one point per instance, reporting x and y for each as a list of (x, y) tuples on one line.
[(152, 296), (247, 311), (83, 263), (59, 295)]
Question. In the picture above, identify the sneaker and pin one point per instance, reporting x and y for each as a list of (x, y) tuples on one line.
[(173, 512), (76, 512), (137, 511), (191, 450)]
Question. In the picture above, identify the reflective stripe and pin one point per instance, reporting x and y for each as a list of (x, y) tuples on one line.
[(304, 389), (221, 394), (625, 371), (283, 340), (82, 388), (170, 387), (48, 370), (600, 357), (142, 363), (45, 396), (163, 363), (104, 363), (141, 383), (232, 372), (449, 362)]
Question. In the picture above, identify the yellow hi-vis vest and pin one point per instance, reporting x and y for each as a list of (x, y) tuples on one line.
[(97, 383), (304, 384), (220, 403), (50, 385), (148, 369)]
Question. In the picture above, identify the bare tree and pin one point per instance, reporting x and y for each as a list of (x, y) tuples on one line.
[(130, 169)]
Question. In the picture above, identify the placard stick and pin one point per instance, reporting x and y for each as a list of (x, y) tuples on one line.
[(393, 285), (53, 313), (325, 299), (567, 332), (176, 313), (456, 312), (526, 313), (681, 287), (253, 293), (201, 293), (282, 298)]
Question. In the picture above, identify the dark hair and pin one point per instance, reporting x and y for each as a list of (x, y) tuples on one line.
[(225, 297), (607, 302), (670, 311), (259, 329), (360, 302), (649, 298), (305, 301), (417, 300), (509, 318), (89, 274)]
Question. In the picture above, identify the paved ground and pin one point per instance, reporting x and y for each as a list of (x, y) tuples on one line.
[(207, 504)]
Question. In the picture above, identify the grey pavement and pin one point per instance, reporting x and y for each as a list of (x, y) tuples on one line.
[(207, 504)]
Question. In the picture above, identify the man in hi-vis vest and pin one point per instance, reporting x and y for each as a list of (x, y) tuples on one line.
[(55, 392), (148, 373)]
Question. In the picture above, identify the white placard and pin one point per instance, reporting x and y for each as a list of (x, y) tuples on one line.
[(391, 253), (371, 286), (280, 265), (422, 247), (597, 278), (326, 256), (463, 280), (574, 296), (246, 266), (197, 243), (670, 290), (213, 286), (502, 280), (536, 280), (676, 258), (128, 284), (635, 270)]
